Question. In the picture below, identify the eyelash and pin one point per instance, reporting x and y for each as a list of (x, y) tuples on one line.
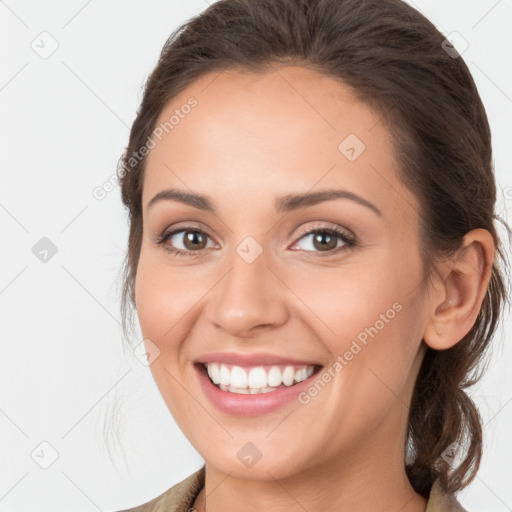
[(349, 241)]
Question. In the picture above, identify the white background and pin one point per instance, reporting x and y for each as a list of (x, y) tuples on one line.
[(64, 123)]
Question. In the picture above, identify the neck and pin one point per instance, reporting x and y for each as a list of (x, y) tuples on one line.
[(312, 493), (357, 482)]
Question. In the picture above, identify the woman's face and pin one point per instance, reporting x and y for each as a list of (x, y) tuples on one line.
[(260, 276)]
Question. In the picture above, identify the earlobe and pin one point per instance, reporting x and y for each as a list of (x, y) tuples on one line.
[(456, 306)]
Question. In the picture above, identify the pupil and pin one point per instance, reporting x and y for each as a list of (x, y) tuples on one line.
[(320, 237), (192, 238)]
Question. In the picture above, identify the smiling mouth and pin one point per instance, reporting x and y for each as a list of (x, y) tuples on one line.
[(253, 380)]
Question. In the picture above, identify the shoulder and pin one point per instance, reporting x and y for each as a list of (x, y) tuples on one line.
[(442, 501), (178, 498)]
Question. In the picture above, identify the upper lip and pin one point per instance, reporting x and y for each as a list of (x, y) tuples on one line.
[(258, 359)]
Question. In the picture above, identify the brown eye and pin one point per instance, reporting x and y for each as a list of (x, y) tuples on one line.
[(184, 242), (194, 240), (325, 240)]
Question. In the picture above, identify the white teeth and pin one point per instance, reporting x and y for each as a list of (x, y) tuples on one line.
[(274, 376), (288, 375), (224, 375), (301, 375), (258, 377), (238, 377), (256, 380), (214, 373), (235, 389), (247, 391)]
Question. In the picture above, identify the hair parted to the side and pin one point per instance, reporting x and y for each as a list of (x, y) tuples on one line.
[(392, 57)]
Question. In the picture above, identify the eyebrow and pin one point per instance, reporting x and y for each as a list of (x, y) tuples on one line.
[(285, 203)]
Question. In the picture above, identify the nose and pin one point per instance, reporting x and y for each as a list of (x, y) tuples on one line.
[(249, 298)]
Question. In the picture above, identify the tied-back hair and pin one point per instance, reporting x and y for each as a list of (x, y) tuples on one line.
[(395, 61)]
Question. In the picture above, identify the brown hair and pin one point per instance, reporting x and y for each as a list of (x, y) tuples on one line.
[(393, 58)]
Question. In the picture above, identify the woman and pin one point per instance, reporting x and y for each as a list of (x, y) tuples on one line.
[(313, 257)]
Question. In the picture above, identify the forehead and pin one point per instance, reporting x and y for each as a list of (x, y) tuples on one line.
[(256, 136)]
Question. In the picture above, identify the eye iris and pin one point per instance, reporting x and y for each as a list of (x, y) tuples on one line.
[(320, 237), (192, 236)]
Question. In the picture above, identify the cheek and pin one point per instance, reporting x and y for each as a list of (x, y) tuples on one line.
[(366, 317), (342, 302), (164, 310), (164, 300)]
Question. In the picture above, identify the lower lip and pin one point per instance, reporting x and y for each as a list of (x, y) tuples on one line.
[(249, 405)]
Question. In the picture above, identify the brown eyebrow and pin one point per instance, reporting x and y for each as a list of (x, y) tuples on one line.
[(286, 203), (291, 202), (196, 200)]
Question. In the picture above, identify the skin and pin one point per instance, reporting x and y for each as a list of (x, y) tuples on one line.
[(250, 139)]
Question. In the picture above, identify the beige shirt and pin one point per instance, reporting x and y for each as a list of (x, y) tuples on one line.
[(181, 497)]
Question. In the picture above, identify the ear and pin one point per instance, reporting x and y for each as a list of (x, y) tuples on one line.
[(457, 300)]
